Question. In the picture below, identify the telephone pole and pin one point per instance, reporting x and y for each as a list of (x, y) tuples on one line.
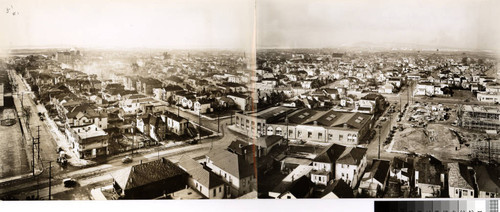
[(50, 179), (199, 125), (379, 142), (218, 122), (38, 143), (33, 155)]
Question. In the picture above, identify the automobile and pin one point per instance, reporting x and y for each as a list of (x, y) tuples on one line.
[(194, 141), (127, 159), (69, 182)]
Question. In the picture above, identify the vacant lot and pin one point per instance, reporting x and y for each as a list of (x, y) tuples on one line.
[(436, 139), (13, 159)]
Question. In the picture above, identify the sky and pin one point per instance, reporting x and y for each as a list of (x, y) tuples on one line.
[(225, 24), (464, 24)]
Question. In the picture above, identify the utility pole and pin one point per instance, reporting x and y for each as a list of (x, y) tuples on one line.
[(286, 122), (38, 143), (199, 125), (50, 179), (33, 154), (379, 142), (489, 149)]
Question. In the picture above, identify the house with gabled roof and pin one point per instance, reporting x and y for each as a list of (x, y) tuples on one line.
[(86, 114), (402, 170), (487, 180), (202, 179), (461, 181), (375, 180), (149, 180), (429, 176), (324, 165), (336, 190), (300, 188), (350, 165), (233, 169)]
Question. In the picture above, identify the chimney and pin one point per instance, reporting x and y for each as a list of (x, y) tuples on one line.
[(315, 122)]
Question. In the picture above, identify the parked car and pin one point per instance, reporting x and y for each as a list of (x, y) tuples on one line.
[(69, 182), (127, 159)]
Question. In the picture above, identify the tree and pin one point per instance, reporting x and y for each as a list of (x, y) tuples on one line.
[(166, 55), (135, 67)]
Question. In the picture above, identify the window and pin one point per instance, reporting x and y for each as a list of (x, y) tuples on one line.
[(341, 137), (299, 134), (220, 189), (464, 193), (309, 134), (290, 132), (320, 135), (278, 130), (288, 197), (215, 190), (471, 193), (330, 136), (456, 191), (342, 174)]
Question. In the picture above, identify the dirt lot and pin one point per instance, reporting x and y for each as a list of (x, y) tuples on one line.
[(436, 139), (13, 159)]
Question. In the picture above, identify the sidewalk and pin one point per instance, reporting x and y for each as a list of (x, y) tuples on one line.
[(20, 177), (61, 141)]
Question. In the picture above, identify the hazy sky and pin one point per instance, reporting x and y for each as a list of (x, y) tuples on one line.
[(127, 23), (334, 23)]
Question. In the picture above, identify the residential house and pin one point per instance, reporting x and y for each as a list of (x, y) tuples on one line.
[(324, 165), (460, 181), (300, 188), (85, 114), (351, 165), (234, 170), (176, 124), (88, 141), (203, 180), (488, 185), (402, 170), (240, 100), (203, 105), (374, 182), (336, 190), (429, 176), (149, 180)]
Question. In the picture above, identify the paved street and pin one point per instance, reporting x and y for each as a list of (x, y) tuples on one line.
[(96, 176), (37, 127)]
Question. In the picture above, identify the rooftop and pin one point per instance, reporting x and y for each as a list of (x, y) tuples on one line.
[(89, 131), (146, 173)]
